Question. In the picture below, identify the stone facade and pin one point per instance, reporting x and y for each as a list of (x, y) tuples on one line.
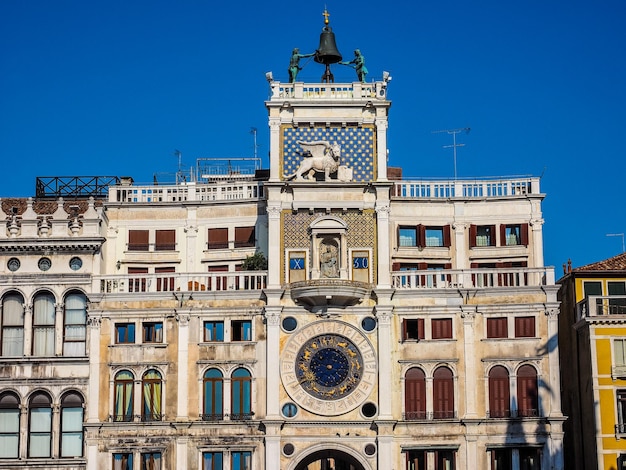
[(398, 325)]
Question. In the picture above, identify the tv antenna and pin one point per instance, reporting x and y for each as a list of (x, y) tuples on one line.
[(618, 235), (253, 131), (454, 145)]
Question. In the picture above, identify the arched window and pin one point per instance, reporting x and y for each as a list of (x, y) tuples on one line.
[(72, 425), (415, 394), (241, 395), (527, 392), (151, 396), (13, 325), (43, 325), (40, 425), (213, 385), (9, 425), (74, 321), (443, 393), (499, 393), (123, 406)]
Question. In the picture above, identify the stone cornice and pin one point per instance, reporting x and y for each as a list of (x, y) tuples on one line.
[(51, 245)]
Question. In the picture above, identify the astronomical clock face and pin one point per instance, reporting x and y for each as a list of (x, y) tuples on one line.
[(328, 368)]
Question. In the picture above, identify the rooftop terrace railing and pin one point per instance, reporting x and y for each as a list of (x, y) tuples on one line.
[(472, 278), (596, 305), (475, 188), (327, 91), (219, 191)]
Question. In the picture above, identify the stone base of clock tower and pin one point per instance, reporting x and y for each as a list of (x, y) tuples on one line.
[(329, 459)]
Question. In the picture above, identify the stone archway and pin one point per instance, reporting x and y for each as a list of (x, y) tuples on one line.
[(329, 459)]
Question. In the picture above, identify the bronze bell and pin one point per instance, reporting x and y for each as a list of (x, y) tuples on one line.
[(327, 52)]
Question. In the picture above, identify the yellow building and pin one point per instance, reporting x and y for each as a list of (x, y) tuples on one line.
[(592, 342)]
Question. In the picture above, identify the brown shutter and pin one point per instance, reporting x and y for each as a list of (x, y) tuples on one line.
[(415, 394), (503, 235), (524, 234), (218, 238), (472, 236), (420, 236), (446, 236), (138, 240), (499, 393), (497, 328), (420, 328), (244, 237), (527, 392), (525, 327), (443, 393), (165, 240), (395, 266)]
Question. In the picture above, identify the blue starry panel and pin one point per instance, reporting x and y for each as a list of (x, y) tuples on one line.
[(357, 148)]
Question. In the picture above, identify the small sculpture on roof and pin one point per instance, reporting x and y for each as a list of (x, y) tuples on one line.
[(359, 65), (294, 63)]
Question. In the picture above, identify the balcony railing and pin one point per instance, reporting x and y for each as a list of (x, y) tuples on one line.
[(428, 416), (472, 278), (596, 305), (445, 189), (326, 91), (184, 282), (225, 191)]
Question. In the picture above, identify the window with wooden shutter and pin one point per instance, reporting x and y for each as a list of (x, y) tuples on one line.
[(244, 237), (525, 327), (412, 329), (218, 238), (164, 282), (138, 240), (165, 240), (499, 393), (414, 394), (527, 392), (443, 393), (497, 327), (137, 283), (441, 328)]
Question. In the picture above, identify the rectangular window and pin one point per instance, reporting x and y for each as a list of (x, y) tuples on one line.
[(621, 412), (525, 327), (412, 329), (433, 236), (218, 238), (619, 351), (213, 331), (138, 240), (514, 234), (165, 240), (482, 235), (241, 330), (444, 460), (407, 236), (416, 459), (617, 306), (40, 432), (497, 328), (151, 461), (153, 332), (10, 429), (123, 461), (441, 328), (124, 333), (501, 459), (212, 461), (529, 458), (244, 237), (592, 288), (72, 431), (241, 461)]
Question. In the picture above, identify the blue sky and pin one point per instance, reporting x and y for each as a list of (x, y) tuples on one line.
[(113, 87)]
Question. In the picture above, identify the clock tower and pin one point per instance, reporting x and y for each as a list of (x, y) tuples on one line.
[(328, 303)]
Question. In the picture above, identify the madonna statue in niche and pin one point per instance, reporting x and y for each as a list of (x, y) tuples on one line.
[(329, 259)]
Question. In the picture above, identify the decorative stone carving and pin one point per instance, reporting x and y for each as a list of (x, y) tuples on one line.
[(319, 155)]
